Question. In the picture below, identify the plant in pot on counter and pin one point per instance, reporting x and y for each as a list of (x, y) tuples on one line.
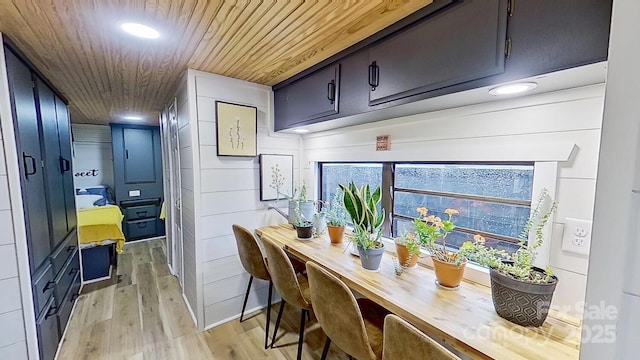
[(336, 217), (304, 227), (362, 206), (408, 249), (513, 276), (449, 265)]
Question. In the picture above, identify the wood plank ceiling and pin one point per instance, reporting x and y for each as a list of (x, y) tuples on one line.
[(105, 73)]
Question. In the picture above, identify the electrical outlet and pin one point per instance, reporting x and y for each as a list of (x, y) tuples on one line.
[(577, 236)]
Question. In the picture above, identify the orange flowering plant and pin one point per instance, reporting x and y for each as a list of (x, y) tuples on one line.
[(430, 228)]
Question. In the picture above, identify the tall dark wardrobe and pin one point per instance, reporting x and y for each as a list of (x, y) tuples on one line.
[(43, 137)]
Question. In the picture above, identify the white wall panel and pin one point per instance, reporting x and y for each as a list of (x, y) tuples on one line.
[(10, 299), (6, 224), (220, 269), (229, 180), (17, 351), (228, 309), (219, 247), (229, 288), (9, 264), (12, 329)]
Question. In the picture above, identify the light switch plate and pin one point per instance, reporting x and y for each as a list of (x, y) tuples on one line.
[(577, 236), (134, 193)]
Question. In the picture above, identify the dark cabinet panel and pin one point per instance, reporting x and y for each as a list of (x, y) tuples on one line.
[(461, 43), (30, 160), (137, 162), (312, 97), (66, 155), (47, 329), (53, 162), (138, 156)]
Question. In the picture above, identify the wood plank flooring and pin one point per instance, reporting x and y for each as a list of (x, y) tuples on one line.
[(140, 314)]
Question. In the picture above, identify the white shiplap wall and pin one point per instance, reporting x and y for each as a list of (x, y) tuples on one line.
[(227, 192), (92, 149), (12, 319), (521, 129)]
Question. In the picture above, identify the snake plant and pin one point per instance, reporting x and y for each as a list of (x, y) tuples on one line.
[(362, 206)]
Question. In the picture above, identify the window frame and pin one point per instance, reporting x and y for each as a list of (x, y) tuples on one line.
[(388, 191)]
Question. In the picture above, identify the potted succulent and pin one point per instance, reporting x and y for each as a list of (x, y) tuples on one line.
[(449, 265), (362, 206), (306, 206), (304, 227), (336, 218), (408, 250), (513, 276)]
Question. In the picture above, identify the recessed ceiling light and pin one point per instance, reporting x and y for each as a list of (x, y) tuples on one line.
[(301, 131), (514, 88), (140, 30), (132, 117)]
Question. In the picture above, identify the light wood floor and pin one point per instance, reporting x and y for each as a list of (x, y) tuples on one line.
[(140, 314)]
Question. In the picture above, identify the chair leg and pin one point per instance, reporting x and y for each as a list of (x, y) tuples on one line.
[(246, 297), (303, 317), (325, 351), (273, 339), (308, 315), (266, 333)]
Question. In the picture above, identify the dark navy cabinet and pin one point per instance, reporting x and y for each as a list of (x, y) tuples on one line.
[(137, 162), (451, 46), (43, 139)]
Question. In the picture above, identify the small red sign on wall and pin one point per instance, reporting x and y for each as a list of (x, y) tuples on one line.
[(383, 143)]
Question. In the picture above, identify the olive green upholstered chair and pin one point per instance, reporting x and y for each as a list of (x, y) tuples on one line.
[(293, 288), (355, 326), (254, 263), (403, 341)]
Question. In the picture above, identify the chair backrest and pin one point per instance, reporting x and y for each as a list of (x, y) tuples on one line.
[(338, 313), (250, 253), (284, 276), (403, 341)]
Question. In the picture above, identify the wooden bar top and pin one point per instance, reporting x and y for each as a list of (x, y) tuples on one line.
[(464, 319)]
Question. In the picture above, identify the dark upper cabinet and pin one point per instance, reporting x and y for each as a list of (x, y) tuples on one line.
[(66, 154), (463, 42), (54, 165), (137, 162), (314, 96), (30, 160), (452, 46)]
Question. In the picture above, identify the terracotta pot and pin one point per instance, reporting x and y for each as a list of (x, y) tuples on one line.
[(336, 234), (448, 274), (403, 256)]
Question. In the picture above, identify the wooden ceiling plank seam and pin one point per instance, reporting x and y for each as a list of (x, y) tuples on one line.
[(236, 27), (276, 34)]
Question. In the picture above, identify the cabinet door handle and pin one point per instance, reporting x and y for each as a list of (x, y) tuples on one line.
[(374, 76), (50, 285), (65, 165), (32, 160), (331, 91), (71, 248), (52, 311), (126, 154), (73, 271)]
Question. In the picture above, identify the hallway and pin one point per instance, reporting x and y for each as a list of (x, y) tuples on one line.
[(140, 314)]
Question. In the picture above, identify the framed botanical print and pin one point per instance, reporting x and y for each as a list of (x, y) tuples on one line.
[(236, 129), (276, 176)]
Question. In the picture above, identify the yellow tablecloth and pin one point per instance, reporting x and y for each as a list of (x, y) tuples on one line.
[(99, 224)]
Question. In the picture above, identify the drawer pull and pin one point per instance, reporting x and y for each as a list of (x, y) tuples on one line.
[(73, 271), (50, 285), (71, 248), (52, 311), (142, 225), (142, 213)]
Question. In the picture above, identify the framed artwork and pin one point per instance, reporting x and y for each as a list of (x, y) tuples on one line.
[(276, 173), (236, 129)]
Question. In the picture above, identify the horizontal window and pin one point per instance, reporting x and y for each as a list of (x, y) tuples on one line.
[(494, 200)]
